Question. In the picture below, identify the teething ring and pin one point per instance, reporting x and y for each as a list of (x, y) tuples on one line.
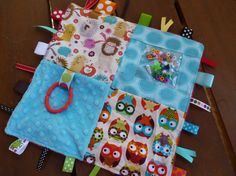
[(48, 94)]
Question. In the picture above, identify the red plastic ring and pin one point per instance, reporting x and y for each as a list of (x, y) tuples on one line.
[(49, 92)]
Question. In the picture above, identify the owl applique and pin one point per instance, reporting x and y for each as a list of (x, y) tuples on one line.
[(119, 130), (162, 145), (96, 137), (129, 171), (156, 168), (136, 152), (126, 104), (110, 154), (143, 126), (168, 119), (105, 114)]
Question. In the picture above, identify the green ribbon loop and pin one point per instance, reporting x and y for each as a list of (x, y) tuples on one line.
[(95, 171)]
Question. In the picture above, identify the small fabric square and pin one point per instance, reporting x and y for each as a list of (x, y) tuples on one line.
[(159, 66), (67, 132), (106, 7), (135, 136), (90, 43)]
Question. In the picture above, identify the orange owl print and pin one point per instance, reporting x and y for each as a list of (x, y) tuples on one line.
[(136, 152), (110, 154)]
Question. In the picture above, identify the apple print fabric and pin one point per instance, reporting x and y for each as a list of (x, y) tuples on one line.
[(90, 43), (135, 136)]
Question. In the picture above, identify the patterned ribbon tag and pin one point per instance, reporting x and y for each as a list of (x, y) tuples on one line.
[(68, 164), (19, 146), (42, 158), (200, 104), (66, 79), (191, 128), (6, 108)]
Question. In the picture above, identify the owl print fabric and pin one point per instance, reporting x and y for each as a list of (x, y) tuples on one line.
[(90, 43), (135, 136)]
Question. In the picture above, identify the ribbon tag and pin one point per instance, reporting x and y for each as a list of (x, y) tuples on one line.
[(41, 48), (19, 146), (68, 164), (178, 172), (191, 128), (6, 108), (186, 153), (205, 79), (106, 7), (66, 79), (145, 19), (165, 26), (95, 171), (200, 104), (42, 158)]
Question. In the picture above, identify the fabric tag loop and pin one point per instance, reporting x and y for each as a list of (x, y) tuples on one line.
[(191, 128), (145, 19), (205, 79), (186, 153), (41, 48), (68, 164), (19, 146)]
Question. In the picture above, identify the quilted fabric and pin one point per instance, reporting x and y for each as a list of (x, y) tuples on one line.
[(159, 66), (135, 136), (90, 43), (68, 132)]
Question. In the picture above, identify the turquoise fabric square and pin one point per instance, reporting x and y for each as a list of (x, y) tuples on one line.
[(133, 78), (68, 132)]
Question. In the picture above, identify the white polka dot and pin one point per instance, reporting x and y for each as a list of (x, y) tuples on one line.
[(58, 16), (55, 12), (60, 11), (100, 6), (108, 2), (109, 8)]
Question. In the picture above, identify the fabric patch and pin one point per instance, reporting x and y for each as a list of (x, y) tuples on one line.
[(134, 77), (90, 43), (135, 135), (67, 132)]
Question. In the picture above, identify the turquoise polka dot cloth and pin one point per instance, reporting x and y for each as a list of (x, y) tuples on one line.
[(68, 132), (159, 66)]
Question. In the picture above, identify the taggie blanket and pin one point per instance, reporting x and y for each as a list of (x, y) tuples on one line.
[(160, 66), (59, 110), (90, 43), (135, 136)]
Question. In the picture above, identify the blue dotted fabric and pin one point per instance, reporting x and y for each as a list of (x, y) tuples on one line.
[(191, 128), (68, 132), (133, 78)]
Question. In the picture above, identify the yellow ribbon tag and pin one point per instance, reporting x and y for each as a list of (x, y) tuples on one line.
[(165, 26)]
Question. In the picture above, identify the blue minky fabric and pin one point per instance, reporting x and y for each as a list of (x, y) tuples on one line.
[(133, 78), (68, 132)]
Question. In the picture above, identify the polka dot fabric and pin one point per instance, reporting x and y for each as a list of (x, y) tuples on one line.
[(67, 132), (132, 77), (106, 7), (90, 43)]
